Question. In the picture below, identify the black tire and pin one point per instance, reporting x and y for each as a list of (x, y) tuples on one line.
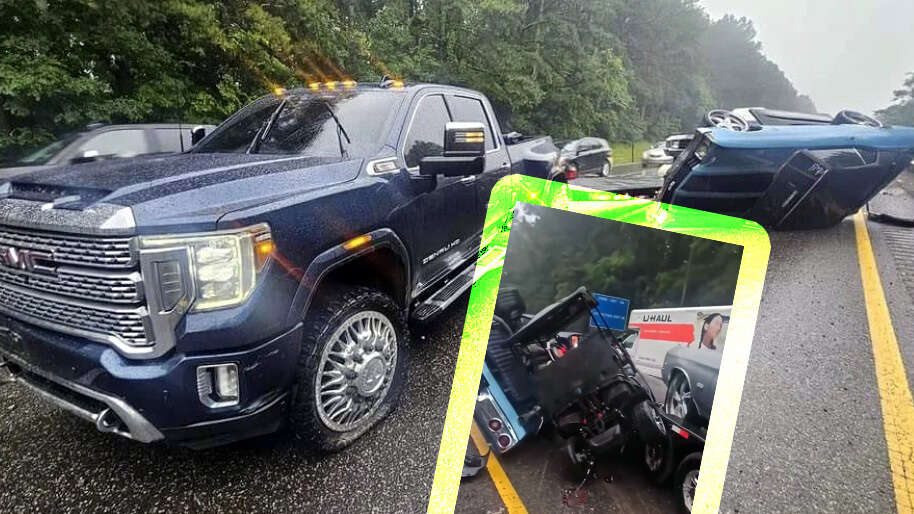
[(683, 484), (848, 117), (579, 461), (328, 314), (658, 459)]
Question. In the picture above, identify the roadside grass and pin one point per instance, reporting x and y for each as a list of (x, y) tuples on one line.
[(627, 152)]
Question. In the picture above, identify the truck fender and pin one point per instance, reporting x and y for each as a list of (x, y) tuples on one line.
[(337, 256)]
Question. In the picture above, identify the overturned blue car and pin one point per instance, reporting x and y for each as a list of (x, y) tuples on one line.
[(788, 177)]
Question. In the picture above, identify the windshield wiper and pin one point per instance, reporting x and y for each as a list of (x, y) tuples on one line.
[(265, 129), (339, 130)]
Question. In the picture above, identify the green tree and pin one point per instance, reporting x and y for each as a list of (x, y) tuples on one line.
[(901, 111), (650, 267), (661, 41), (620, 69), (740, 75)]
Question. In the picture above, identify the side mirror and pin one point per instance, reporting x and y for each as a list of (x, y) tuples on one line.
[(85, 156), (464, 151), (197, 134)]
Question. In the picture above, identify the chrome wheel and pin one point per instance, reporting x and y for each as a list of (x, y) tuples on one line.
[(605, 170), (727, 120), (678, 398), (688, 488), (355, 371)]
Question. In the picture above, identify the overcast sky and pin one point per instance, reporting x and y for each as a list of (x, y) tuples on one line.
[(845, 54)]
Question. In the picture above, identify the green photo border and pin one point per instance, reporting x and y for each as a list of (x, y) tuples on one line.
[(517, 188)]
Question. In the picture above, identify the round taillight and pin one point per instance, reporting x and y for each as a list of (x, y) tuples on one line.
[(504, 441), (495, 424)]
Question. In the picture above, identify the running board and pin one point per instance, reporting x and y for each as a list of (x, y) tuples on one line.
[(445, 296)]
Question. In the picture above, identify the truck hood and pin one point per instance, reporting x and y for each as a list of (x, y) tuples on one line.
[(11, 171), (185, 191)]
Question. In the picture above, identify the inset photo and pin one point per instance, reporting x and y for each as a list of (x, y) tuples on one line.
[(601, 367)]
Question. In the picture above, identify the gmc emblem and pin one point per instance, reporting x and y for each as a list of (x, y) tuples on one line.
[(26, 260)]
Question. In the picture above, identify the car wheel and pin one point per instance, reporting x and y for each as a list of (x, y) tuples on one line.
[(351, 369), (658, 460), (687, 480), (580, 460), (855, 118), (604, 171), (678, 401)]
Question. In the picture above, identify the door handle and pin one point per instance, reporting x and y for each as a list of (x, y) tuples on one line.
[(469, 179)]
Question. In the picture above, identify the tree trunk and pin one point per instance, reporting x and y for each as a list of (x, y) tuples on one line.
[(4, 121)]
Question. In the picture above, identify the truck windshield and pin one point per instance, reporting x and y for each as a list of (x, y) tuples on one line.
[(305, 124)]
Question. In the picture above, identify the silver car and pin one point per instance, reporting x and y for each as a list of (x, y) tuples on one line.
[(656, 156), (690, 374), (98, 141)]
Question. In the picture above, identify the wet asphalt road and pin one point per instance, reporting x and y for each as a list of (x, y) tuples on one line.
[(809, 434), (51, 461)]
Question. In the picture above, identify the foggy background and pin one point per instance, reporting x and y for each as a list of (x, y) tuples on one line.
[(843, 54)]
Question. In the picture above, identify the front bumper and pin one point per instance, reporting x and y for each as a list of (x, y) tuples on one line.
[(152, 400), (487, 410), (108, 413), (656, 161)]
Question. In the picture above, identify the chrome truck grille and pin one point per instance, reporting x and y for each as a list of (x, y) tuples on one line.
[(85, 285), (110, 253)]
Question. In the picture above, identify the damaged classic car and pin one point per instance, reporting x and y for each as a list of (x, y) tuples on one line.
[(788, 177)]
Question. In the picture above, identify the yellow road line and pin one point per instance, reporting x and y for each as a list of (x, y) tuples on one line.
[(894, 393), (502, 484)]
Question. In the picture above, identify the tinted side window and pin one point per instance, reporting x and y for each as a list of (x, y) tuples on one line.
[(589, 145), (426, 134), (122, 143), (470, 109), (170, 140)]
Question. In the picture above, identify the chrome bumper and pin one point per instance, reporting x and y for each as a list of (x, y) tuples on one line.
[(487, 409), (108, 413)]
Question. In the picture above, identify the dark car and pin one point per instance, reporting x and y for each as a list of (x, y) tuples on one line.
[(99, 142), (267, 277), (588, 156)]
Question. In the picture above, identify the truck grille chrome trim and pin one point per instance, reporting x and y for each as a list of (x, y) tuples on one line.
[(97, 322), (98, 252), (112, 287)]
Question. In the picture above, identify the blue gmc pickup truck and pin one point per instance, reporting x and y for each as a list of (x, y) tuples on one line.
[(265, 278)]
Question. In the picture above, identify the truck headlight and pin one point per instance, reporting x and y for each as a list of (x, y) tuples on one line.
[(224, 265)]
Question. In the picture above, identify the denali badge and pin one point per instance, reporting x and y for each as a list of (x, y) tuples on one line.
[(26, 260)]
